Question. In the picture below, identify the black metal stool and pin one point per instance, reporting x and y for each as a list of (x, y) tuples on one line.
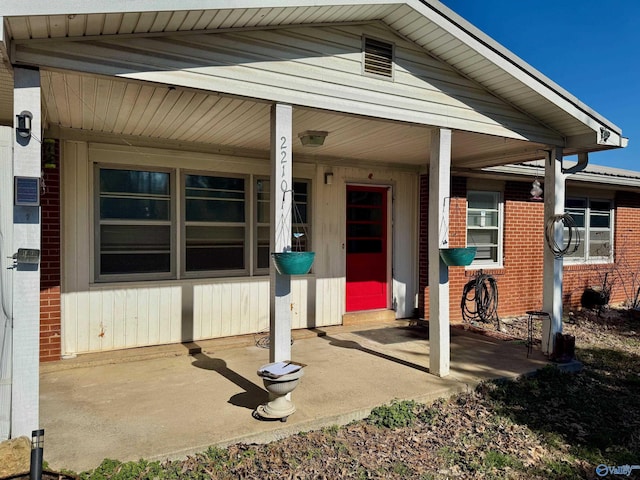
[(532, 315)]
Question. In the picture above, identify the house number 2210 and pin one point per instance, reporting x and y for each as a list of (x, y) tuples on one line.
[(284, 185)]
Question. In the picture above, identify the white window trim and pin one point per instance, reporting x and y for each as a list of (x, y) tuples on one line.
[(178, 226), (254, 221), (240, 272), (500, 254), (97, 222), (584, 237)]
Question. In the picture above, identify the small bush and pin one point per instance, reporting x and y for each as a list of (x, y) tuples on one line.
[(396, 415)]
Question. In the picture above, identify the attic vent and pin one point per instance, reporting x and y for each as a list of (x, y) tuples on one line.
[(378, 57)]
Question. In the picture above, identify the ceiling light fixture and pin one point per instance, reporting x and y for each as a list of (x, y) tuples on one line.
[(312, 138)]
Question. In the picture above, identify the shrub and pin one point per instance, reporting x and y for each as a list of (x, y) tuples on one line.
[(396, 415)]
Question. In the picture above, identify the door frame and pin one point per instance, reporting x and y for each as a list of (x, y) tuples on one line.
[(389, 231)]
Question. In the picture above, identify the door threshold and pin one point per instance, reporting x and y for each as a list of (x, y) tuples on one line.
[(368, 316)]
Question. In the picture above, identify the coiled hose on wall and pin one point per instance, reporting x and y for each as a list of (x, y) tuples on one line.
[(480, 300), (571, 243)]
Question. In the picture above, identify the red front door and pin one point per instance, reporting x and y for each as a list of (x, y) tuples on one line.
[(366, 248)]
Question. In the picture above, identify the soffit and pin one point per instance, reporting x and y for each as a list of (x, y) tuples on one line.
[(128, 110)]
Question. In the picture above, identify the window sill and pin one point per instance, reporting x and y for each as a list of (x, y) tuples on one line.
[(578, 265), (489, 269), (125, 284)]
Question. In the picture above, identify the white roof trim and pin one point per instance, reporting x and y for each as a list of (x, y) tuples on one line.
[(592, 174), (84, 7), (481, 41), (432, 10)]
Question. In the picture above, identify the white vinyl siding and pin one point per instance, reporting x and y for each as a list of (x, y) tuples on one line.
[(99, 316), (317, 67)]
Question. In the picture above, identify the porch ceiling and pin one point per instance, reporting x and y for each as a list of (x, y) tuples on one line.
[(77, 106)]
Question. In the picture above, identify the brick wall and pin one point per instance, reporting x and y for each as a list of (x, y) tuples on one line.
[(627, 246), (520, 281), (50, 319), (624, 275)]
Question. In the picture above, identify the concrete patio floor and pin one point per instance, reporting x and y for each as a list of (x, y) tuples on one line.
[(171, 401)]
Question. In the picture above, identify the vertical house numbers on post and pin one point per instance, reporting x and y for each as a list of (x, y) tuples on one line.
[(285, 183), (284, 161)]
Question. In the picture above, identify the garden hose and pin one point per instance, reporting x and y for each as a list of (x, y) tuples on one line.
[(480, 299), (573, 241)]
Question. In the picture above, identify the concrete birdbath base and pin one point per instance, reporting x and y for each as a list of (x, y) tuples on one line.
[(279, 386)]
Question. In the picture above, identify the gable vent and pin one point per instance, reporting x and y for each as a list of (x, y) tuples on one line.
[(378, 57)]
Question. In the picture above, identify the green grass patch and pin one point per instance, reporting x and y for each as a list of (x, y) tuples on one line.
[(398, 414), (497, 460)]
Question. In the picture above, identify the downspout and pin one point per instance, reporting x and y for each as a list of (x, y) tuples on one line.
[(583, 161)]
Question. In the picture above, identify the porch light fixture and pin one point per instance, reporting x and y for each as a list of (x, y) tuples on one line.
[(312, 138), (328, 178), (23, 124)]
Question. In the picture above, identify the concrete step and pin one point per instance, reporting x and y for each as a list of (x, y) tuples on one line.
[(368, 317)]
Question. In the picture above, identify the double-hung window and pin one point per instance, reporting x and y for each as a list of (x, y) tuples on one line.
[(214, 223), (300, 225), (484, 226), (145, 229), (594, 222), (134, 229)]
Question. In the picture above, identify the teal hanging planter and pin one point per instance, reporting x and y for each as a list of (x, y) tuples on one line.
[(293, 263), (458, 257)]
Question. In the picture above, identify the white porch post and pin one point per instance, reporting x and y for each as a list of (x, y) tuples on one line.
[(26, 277), (554, 196), (439, 193), (281, 204)]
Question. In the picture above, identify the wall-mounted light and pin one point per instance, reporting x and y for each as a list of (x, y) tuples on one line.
[(328, 178), (23, 124), (312, 138)]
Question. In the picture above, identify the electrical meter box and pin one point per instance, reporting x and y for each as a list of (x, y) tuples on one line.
[(28, 255)]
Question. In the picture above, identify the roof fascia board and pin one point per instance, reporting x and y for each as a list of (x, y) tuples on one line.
[(597, 140), (84, 7), (180, 33), (586, 177), (511, 63)]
